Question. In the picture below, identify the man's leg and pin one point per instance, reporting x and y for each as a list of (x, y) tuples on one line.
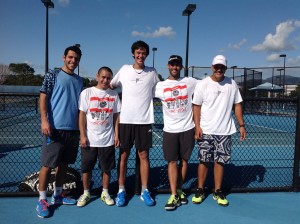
[(173, 176), (218, 175), (105, 194), (123, 159), (85, 197)]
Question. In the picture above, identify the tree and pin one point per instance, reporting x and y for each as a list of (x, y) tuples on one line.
[(4, 73), (21, 69)]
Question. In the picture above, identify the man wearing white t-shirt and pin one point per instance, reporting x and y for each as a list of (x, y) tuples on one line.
[(99, 108), (214, 99), (178, 136), (136, 118)]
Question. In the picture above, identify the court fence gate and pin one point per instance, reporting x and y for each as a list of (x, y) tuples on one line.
[(268, 160)]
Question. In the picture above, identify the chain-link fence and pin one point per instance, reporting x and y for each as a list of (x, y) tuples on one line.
[(267, 160)]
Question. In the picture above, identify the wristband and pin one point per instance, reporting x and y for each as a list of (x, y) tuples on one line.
[(242, 125)]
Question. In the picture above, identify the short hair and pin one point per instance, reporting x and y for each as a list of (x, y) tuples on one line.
[(73, 48), (106, 69), (139, 44)]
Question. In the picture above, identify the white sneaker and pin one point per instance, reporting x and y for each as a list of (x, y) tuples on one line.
[(105, 197), (83, 200)]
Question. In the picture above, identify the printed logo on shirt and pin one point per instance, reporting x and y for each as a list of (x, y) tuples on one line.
[(101, 109), (176, 98)]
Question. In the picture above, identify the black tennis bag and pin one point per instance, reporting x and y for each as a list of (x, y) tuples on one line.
[(31, 182)]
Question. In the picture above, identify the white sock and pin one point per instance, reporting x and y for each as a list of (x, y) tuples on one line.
[(143, 189), (105, 190), (43, 195), (121, 188), (86, 192)]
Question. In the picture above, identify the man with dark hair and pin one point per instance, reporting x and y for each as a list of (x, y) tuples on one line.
[(136, 117), (178, 136), (59, 96), (99, 125)]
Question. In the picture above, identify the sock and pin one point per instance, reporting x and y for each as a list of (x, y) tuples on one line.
[(144, 188), (57, 190), (121, 188), (86, 192), (43, 195), (105, 190)]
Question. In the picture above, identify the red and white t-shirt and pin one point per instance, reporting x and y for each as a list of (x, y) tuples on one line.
[(176, 98), (99, 106)]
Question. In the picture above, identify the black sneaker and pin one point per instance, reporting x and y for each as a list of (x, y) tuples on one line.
[(199, 196), (173, 203), (182, 197), (220, 198)]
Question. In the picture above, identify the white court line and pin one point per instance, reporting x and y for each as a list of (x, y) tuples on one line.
[(255, 125), (158, 136)]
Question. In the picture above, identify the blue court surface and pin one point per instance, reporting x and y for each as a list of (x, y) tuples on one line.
[(244, 208)]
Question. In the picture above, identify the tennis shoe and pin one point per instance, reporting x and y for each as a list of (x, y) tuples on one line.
[(121, 199), (220, 198), (182, 197), (83, 200), (146, 197), (42, 208), (105, 197), (199, 196), (62, 200), (173, 203)]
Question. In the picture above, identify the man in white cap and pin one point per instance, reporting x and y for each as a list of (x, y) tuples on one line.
[(214, 99)]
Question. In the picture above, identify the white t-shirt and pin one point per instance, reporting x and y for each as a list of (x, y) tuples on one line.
[(216, 100), (176, 98), (137, 94), (99, 106)]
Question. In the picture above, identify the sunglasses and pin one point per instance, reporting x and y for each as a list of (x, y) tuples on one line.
[(220, 67)]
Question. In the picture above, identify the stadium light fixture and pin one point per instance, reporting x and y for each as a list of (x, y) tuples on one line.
[(187, 12), (153, 49), (49, 5)]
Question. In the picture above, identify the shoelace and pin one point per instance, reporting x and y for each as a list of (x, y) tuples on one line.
[(45, 205)]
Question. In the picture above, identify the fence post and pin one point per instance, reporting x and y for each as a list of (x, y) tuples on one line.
[(297, 150)]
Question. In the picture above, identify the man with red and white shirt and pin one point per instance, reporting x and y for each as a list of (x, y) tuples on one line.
[(99, 126), (178, 136)]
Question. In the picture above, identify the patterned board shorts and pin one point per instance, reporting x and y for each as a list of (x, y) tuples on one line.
[(214, 148)]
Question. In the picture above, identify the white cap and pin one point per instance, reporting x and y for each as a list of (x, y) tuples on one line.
[(219, 59)]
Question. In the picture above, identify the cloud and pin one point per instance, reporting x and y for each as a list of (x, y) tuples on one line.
[(238, 45), (161, 32), (273, 57), (64, 3), (280, 40)]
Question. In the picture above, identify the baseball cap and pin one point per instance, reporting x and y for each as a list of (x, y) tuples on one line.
[(175, 58), (219, 59)]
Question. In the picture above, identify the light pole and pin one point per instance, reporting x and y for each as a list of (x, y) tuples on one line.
[(77, 45), (153, 49), (233, 67), (48, 4), (283, 56), (187, 12), (280, 69)]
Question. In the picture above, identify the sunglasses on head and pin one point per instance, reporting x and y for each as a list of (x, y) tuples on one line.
[(220, 67)]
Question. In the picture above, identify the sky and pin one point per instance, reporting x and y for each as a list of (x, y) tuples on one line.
[(249, 33)]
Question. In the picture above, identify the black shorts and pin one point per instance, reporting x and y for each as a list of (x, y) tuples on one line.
[(177, 146), (138, 134), (105, 155), (60, 147)]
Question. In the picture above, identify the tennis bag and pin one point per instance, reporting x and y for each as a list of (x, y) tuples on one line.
[(31, 182)]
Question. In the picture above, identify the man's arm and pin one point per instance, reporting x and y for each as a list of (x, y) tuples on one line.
[(84, 142), (196, 118), (116, 129), (238, 111), (45, 126)]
